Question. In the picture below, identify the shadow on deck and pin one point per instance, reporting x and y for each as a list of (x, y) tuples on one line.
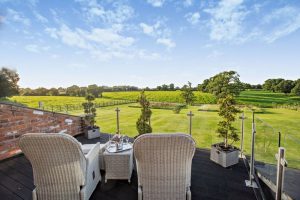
[(209, 180)]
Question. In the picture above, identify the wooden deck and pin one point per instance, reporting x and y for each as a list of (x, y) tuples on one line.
[(209, 181)]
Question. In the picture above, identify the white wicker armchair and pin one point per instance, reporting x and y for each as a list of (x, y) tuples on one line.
[(164, 166), (60, 169)]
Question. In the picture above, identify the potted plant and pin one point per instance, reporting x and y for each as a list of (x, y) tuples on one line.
[(91, 130), (225, 153)]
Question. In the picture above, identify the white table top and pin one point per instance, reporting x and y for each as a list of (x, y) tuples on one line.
[(127, 148)]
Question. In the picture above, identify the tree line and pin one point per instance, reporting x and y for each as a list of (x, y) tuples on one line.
[(9, 86), (282, 85)]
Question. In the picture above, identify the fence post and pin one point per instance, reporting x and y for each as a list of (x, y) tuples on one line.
[(279, 139), (190, 114), (251, 182), (242, 138), (118, 125), (281, 164)]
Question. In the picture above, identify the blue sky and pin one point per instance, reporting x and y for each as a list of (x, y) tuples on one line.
[(148, 42)]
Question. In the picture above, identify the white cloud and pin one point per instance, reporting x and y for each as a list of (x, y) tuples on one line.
[(100, 43), (68, 36), (159, 29), (118, 12), (167, 42), (193, 18), (39, 17), (147, 29), (226, 19), (187, 3), (107, 37), (14, 16), (160, 32), (284, 21), (156, 3)]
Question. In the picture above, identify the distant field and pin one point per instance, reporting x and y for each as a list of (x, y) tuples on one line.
[(162, 96), (266, 99), (33, 101)]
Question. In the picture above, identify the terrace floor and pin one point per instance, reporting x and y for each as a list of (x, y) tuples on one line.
[(209, 180)]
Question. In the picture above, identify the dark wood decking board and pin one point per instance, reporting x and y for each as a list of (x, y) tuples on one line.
[(209, 180)]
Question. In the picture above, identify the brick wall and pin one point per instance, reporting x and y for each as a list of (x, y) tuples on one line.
[(18, 120)]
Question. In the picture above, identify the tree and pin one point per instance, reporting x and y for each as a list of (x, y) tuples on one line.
[(296, 89), (94, 90), (164, 87), (8, 82), (143, 122), (187, 94), (272, 84), (74, 90), (172, 87), (53, 92), (82, 91), (90, 110), (228, 113), (203, 87), (41, 91), (286, 86), (224, 84)]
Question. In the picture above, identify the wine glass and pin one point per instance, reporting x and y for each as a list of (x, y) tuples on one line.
[(126, 139)]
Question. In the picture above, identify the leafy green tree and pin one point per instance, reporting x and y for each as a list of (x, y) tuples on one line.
[(53, 92), (296, 89), (143, 123), (187, 94), (272, 84), (73, 90), (8, 82), (203, 87), (286, 86), (224, 84), (172, 87), (41, 91), (165, 87), (82, 91), (94, 90), (26, 92), (90, 110), (228, 112)]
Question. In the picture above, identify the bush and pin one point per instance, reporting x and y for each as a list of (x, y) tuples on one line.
[(178, 108)]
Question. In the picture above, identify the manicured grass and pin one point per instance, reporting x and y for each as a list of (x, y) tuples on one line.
[(162, 96), (266, 99), (268, 123)]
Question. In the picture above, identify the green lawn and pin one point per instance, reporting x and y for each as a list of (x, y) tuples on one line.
[(266, 99), (268, 123)]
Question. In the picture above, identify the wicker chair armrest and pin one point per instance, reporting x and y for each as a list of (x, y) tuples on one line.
[(93, 152), (93, 175), (140, 193)]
